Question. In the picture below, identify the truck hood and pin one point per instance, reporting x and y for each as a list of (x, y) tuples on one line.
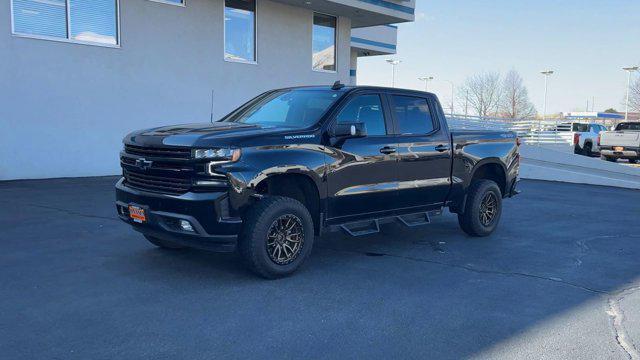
[(204, 134)]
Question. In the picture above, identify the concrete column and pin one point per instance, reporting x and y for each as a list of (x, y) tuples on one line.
[(353, 72)]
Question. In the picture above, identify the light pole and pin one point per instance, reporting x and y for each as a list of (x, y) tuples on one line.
[(452, 94), (426, 80), (546, 74), (629, 70), (394, 63)]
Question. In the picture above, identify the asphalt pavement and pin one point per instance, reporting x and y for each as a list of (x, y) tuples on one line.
[(559, 279)]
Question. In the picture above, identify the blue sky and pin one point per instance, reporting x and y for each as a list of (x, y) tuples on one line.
[(586, 42)]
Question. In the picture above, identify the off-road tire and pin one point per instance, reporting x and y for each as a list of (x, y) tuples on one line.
[(588, 150), (577, 150), (164, 244), (470, 220), (257, 221), (609, 158)]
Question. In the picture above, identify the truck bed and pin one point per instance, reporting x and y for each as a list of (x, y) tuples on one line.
[(478, 136), (620, 138)]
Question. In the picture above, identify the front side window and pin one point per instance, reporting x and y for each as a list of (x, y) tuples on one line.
[(240, 30), (412, 115), (366, 109), (324, 42), (286, 108), (90, 21)]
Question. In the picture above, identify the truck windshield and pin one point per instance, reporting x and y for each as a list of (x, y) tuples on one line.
[(628, 126), (288, 108)]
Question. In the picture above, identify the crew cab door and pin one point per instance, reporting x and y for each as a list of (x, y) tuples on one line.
[(424, 151), (362, 175)]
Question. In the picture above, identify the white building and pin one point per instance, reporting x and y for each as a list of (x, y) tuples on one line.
[(77, 75)]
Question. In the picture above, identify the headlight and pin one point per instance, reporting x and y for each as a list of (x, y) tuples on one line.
[(225, 155)]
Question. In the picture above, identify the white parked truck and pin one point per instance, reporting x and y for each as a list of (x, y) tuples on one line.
[(585, 138), (622, 143)]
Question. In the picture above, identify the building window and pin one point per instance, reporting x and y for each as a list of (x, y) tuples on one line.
[(240, 30), (324, 42), (84, 21), (171, 2)]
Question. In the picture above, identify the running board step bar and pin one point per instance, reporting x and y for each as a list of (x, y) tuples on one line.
[(361, 228), (412, 220), (368, 227)]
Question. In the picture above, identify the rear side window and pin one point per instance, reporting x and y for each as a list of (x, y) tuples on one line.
[(580, 127), (412, 114), (366, 109), (628, 126)]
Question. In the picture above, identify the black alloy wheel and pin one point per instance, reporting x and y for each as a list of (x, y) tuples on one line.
[(285, 239)]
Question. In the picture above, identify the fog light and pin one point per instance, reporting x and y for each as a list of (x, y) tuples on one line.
[(186, 226)]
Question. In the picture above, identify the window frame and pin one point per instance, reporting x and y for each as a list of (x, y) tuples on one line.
[(67, 39), (432, 112), (255, 37), (335, 41), (167, 2)]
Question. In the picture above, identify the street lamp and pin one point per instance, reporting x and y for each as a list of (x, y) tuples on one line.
[(394, 63), (426, 80), (452, 93), (629, 70), (546, 74)]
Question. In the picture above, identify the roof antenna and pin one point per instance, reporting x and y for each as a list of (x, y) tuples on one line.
[(337, 85), (211, 118)]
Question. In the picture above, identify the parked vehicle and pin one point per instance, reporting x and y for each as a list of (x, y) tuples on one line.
[(622, 143), (292, 163), (585, 138)]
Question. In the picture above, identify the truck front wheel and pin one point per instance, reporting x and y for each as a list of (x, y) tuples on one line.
[(482, 210), (276, 237)]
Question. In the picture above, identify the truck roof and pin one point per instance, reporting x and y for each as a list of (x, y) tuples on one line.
[(350, 88)]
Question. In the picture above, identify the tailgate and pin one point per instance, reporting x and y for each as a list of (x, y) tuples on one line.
[(621, 138)]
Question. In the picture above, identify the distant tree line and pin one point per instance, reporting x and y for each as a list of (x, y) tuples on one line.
[(491, 94)]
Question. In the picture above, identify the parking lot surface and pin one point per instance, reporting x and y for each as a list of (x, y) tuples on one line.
[(559, 279)]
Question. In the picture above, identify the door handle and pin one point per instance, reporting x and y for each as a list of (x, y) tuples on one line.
[(442, 148), (388, 150)]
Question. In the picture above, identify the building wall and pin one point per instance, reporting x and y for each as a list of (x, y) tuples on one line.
[(64, 107)]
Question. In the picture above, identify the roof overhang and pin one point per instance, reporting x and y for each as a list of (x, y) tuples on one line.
[(362, 12)]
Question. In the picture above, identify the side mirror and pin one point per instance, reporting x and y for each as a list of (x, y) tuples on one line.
[(349, 130)]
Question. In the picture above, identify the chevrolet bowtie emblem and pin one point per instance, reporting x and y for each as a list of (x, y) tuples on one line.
[(144, 164)]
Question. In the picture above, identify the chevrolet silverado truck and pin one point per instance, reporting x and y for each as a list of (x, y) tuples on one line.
[(622, 143), (292, 163), (585, 138)]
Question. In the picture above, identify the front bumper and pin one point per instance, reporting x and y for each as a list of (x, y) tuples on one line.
[(208, 213)]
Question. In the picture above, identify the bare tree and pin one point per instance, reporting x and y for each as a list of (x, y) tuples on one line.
[(481, 92), (515, 103), (634, 96)]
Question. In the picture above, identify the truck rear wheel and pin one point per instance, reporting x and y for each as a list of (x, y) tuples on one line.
[(163, 243), (588, 151), (276, 237), (482, 210)]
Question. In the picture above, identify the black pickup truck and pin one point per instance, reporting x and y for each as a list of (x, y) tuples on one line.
[(291, 163)]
